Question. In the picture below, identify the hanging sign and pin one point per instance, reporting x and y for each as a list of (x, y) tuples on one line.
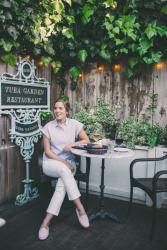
[(26, 129), (17, 94)]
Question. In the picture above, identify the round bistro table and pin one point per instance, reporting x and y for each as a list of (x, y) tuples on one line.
[(101, 212)]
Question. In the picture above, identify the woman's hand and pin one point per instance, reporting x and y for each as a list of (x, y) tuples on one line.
[(68, 147), (83, 139)]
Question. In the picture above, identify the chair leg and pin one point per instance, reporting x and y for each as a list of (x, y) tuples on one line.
[(87, 195), (87, 182), (154, 208), (131, 199)]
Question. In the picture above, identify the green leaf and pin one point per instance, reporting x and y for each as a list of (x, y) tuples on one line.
[(46, 60), (108, 26), (68, 1), (111, 35), (67, 32), (64, 97), (119, 23), (37, 51), (124, 50), (8, 16), (87, 11), (110, 17), (110, 3), (71, 19), (147, 60), (133, 47), (13, 32), (162, 31), (74, 71), (9, 59), (7, 46), (129, 72), (118, 41), (82, 55), (59, 6), (116, 30), (132, 35), (6, 4), (132, 62), (49, 49), (145, 44), (56, 65), (105, 54), (156, 56), (151, 31), (164, 10)]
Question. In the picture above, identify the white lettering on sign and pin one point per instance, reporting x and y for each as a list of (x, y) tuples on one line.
[(33, 91), (24, 100), (29, 91), (14, 90)]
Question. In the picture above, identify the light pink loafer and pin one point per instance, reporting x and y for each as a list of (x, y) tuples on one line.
[(43, 233), (83, 219), (2, 222)]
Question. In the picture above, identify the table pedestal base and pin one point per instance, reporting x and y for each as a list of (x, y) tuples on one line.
[(102, 214)]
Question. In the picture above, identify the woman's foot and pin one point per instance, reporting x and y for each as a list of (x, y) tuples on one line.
[(81, 210), (83, 218), (2, 222), (43, 233)]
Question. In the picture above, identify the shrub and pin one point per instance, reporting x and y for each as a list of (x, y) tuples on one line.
[(100, 122), (136, 132)]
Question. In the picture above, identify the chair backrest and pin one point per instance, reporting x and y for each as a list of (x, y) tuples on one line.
[(153, 159)]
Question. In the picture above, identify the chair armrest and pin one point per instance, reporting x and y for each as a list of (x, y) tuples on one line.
[(157, 175), (144, 160)]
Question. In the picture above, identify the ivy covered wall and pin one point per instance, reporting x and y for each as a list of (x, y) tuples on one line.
[(67, 35)]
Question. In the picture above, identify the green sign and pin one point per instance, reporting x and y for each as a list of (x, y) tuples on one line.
[(18, 95), (23, 128)]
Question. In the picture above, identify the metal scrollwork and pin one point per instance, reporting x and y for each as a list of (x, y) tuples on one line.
[(19, 92), (25, 115), (26, 145)]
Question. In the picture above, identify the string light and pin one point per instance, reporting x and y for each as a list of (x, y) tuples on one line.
[(100, 68), (40, 63), (117, 67), (160, 66), (27, 57), (80, 77)]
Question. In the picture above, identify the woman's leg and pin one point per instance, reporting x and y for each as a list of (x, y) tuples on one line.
[(47, 220), (57, 198), (66, 182), (55, 203), (79, 206)]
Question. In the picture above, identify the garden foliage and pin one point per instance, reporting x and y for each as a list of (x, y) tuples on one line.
[(68, 34)]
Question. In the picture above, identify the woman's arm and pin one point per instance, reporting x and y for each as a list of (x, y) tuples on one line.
[(83, 139), (52, 155)]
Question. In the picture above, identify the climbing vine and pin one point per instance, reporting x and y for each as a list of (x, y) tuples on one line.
[(67, 35)]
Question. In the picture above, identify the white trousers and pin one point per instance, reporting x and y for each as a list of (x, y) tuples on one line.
[(65, 183)]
